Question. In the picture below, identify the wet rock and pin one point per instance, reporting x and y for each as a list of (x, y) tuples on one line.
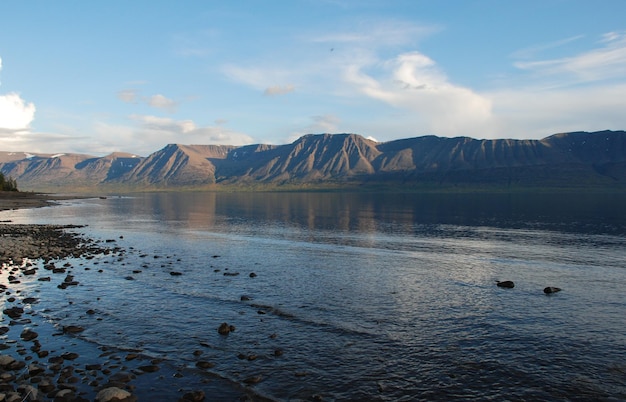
[(253, 379), (30, 300), (231, 273), (252, 275), (69, 356), (29, 392), (72, 329), (122, 376), (16, 365), (65, 394), (44, 279), (6, 360), (176, 273), (112, 394), (149, 368), (225, 329), (34, 370), (55, 360), (28, 335), (245, 298), (551, 289), (46, 386), (193, 396), (203, 364), (506, 284), (13, 312)]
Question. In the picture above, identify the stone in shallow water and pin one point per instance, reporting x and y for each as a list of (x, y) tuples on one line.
[(72, 329), (506, 284), (6, 360), (28, 335), (225, 329), (111, 394), (204, 364)]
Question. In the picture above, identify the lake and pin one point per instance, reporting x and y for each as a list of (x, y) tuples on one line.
[(358, 296)]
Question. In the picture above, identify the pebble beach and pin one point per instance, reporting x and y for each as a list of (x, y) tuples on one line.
[(41, 360)]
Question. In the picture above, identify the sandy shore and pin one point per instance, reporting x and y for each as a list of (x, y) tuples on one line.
[(43, 361)]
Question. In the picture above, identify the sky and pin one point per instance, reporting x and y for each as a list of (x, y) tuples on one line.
[(97, 77)]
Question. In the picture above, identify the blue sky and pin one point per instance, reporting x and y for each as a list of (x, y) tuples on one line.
[(102, 76)]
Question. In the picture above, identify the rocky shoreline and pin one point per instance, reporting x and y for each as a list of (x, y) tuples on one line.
[(41, 361)]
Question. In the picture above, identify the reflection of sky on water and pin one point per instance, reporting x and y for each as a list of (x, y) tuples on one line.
[(361, 284)]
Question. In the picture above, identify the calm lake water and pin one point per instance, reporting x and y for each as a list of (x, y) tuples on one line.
[(364, 296)]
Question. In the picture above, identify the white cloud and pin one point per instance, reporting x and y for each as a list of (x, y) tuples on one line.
[(127, 95), (530, 52), (327, 123), (263, 78), (605, 62), (374, 34), (525, 113), (161, 102), (161, 130), (278, 90), (15, 114), (157, 101), (412, 82)]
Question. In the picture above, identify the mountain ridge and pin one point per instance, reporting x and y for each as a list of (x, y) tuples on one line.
[(575, 159)]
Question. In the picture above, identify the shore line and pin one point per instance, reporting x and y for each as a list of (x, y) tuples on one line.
[(41, 360)]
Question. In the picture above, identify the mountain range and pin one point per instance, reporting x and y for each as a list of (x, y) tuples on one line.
[(567, 160)]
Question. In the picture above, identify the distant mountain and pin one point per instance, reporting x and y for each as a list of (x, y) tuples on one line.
[(577, 159)]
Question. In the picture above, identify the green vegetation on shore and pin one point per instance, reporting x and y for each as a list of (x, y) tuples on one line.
[(7, 183)]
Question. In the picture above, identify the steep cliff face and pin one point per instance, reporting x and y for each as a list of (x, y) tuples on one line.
[(53, 170), (313, 157), (571, 159), (177, 165)]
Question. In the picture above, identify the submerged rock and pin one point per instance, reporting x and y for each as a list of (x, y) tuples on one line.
[(193, 396), (506, 284), (204, 364), (253, 379), (225, 329), (72, 329)]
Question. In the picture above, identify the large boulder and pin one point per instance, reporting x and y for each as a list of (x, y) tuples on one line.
[(113, 394)]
